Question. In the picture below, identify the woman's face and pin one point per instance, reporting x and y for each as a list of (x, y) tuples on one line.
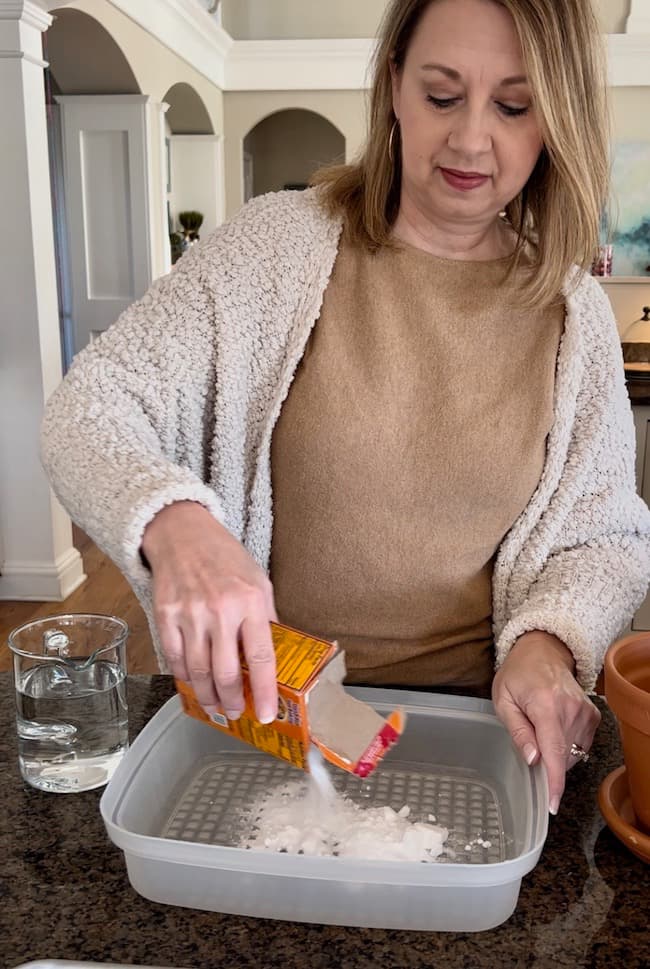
[(470, 138)]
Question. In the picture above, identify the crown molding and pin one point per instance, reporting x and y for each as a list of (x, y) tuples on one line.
[(299, 65), (27, 11), (186, 28)]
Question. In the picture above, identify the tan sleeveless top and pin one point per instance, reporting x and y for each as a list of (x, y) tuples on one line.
[(413, 436)]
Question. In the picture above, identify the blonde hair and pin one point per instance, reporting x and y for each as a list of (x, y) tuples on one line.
[(557, 216)]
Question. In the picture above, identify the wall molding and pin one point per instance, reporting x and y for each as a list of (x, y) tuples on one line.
[(187, 29), (333, 65), (21, 55), (300, 65), (184, 26), (46, 581), (27, 11)]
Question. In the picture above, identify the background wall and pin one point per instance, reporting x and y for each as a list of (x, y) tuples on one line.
[(276, 19), (613, 14), (346, 110), (196, 177), (289, 146)]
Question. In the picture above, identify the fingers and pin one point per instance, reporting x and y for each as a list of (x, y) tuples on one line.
[(584, 734), (554, 748), (201, 644), (198, 660), (549, 733), (260, 657), (520, 729), (171, 640), (226, 667), (210, 599)]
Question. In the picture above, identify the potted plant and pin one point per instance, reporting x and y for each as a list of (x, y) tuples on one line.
[(176, 243)]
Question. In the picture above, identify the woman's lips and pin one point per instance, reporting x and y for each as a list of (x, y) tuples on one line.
[(463, 182)]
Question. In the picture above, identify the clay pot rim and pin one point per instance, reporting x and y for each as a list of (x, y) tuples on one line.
[(629, 702)]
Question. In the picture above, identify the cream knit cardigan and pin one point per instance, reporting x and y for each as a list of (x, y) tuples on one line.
[(179, 398)]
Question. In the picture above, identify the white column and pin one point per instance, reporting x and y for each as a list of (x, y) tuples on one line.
[(638, 21), (165, 247), (38, 557)]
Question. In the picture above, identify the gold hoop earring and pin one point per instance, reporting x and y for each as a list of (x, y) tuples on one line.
[(391, 142)]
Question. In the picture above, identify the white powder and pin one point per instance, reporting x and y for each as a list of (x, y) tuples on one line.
[(310, 818)]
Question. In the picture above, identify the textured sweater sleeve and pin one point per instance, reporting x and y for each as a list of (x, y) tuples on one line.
[(120, 434), (596, 574)]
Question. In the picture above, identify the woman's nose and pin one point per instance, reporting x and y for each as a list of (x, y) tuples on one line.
[(469, 133)]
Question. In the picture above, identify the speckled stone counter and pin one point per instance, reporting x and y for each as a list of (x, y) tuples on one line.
[(65, 892)]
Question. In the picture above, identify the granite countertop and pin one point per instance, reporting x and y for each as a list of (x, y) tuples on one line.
[(65, 893)]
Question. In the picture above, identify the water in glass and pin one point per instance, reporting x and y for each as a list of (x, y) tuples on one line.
[(71, 710)]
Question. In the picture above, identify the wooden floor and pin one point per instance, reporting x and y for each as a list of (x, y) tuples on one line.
[(104, 591)]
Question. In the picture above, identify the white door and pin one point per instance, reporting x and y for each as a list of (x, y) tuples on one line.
[(107, 200)]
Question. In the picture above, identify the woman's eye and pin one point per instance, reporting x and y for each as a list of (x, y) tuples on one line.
[(506, 109), (441, 102), (511, 112)]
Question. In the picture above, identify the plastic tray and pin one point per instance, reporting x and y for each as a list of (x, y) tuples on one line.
[(173, 803)]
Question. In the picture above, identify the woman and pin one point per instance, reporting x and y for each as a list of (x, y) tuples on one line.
[(399, 395)]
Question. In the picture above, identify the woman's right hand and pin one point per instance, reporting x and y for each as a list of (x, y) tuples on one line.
[(209, 596)]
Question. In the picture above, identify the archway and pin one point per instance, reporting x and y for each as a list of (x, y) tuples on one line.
[(286, 148), (194, 166), (85, 59), (187, 113)]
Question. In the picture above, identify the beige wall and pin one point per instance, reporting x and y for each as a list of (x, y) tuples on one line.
[(277, 19), (346, 110), (613, 15), (289, 146)]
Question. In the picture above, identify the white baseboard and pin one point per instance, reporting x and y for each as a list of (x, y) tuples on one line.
[(42, 581)]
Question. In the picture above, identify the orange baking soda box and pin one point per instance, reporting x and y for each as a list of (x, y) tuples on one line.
[(313, 708)]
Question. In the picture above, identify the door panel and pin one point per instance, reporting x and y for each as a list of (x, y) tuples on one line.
[(107, 207)]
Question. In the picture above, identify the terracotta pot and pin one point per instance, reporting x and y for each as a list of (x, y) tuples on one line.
[(627, 688)]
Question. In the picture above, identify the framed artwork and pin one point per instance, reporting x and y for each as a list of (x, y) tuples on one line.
[(630, 209)]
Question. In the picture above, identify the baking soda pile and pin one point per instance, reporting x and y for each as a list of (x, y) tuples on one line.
[(312, 819)]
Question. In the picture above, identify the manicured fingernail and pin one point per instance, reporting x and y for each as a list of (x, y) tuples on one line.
[(210, 711), (268, 714), (234, 714), (530, 753), (554, 805)]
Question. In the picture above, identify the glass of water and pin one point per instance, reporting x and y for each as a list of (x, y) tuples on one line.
[(71, 705)]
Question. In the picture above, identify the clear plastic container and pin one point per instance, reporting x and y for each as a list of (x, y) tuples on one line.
[(181, 786)]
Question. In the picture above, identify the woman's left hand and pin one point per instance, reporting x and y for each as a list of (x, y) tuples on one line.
[(544, 708)]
